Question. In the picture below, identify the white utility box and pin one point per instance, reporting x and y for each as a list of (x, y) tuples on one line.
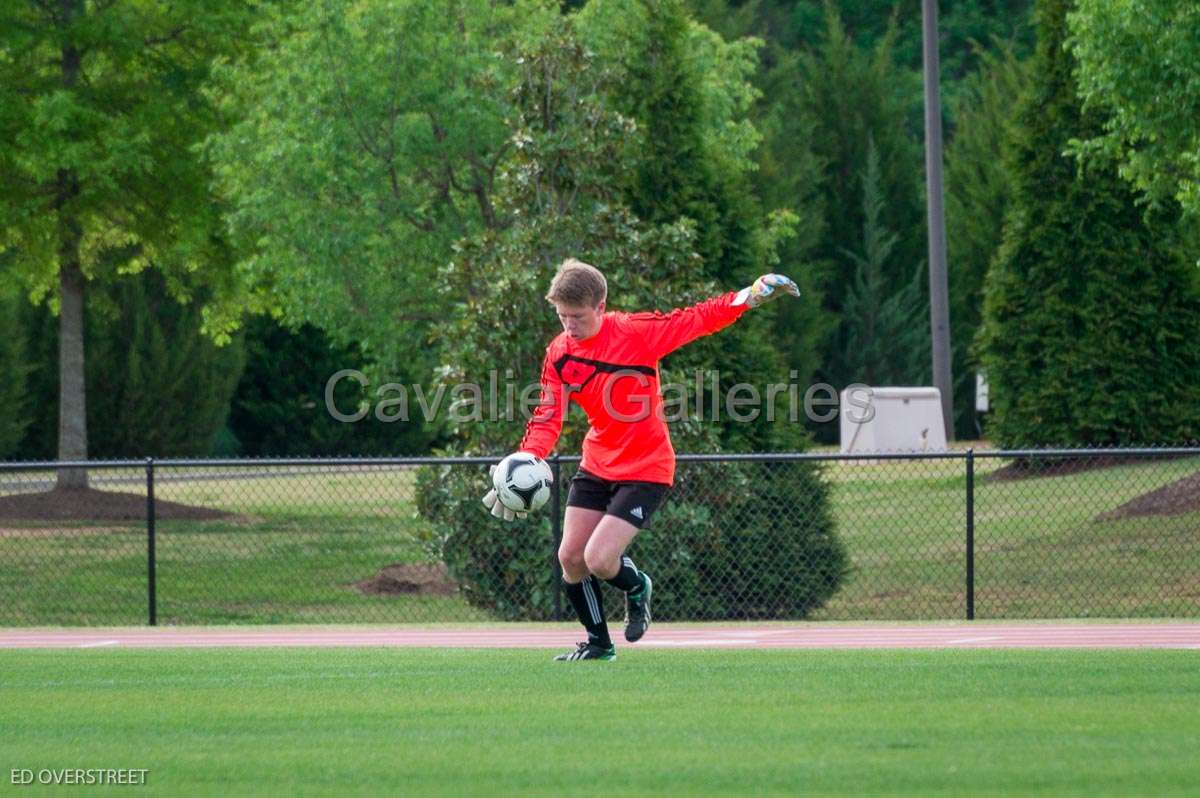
[(877, 420)]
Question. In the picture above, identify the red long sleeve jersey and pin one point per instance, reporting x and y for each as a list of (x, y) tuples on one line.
[(613, 376)]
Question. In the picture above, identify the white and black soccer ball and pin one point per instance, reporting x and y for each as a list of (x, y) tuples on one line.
[(523, 482)]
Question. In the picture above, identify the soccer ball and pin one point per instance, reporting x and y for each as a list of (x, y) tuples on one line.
[(523, 482)]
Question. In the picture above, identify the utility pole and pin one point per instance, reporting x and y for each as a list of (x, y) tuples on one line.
[(939, 302)]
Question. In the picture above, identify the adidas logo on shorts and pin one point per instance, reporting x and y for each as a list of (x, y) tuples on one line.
[(636, 512)]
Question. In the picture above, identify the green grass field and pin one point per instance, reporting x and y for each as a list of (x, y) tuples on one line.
[(300, 543), (1040, 550), (457, 722)]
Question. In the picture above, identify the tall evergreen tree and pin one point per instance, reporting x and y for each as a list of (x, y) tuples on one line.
[(787, 177), (159, 386), (856, 97), (884, 335), (795, 169), (790, 175), (15, 402), (797, 24), (674, 174), (279, 407), (1091, 332), (978, 193)]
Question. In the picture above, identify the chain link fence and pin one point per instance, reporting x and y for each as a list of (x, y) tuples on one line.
[(987, 534)]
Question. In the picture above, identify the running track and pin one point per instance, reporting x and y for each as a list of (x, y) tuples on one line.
[(1057, 635)]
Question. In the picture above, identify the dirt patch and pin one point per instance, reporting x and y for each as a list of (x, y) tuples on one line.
[(1179, 497), (97, 505), (401, 579)]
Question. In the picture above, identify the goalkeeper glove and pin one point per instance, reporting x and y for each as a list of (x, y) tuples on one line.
[(764, 289), (493, 503)]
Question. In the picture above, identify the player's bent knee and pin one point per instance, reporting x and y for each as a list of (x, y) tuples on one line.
[(573, 563), (603, 562)]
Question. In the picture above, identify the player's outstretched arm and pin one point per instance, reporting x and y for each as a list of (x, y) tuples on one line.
[(663, 333), (766, 288)]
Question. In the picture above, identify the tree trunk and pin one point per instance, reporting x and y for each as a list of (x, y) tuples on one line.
[(72, 394), (72, 404)]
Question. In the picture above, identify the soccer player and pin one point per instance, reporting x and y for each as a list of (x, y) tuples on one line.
[(608, 363)]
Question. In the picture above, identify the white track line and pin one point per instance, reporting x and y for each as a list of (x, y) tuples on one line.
[(686, 643)]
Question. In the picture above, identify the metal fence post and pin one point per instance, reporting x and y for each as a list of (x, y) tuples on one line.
[(151, 564), (970, 534), (556, 531)]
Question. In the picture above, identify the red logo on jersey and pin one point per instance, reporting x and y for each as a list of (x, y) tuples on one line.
[(576, 373)]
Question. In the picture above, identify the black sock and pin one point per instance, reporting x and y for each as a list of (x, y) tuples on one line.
[(627, 579), (589, 606)]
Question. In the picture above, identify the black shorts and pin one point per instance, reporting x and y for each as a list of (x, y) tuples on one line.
[(634, 502)]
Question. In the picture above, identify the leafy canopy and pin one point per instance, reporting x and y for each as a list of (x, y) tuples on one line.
[(1139, 64)]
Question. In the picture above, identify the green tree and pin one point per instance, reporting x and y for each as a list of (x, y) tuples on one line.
[(99, 109), (1091, 332), (790, 175), (279, 408), (563, 189), (159, 386), (856, 98), (978, 193), (681, 169), (885, 328), (688, 92), (787, 178), (1139, 64), (362, 144), (15, 404), (795, 166), (39, 329), (796, 25)]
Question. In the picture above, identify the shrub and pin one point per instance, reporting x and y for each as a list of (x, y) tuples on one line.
[(732, 540)]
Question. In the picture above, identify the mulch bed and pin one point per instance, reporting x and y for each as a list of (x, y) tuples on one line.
[(1179, 497), (1058, 467), (399, 579), (97, 505)]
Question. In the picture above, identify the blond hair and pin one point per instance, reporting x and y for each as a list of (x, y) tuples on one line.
[(579, 284)]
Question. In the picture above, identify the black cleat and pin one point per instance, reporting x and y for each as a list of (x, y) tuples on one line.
[(588, 650), (637, 611)]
